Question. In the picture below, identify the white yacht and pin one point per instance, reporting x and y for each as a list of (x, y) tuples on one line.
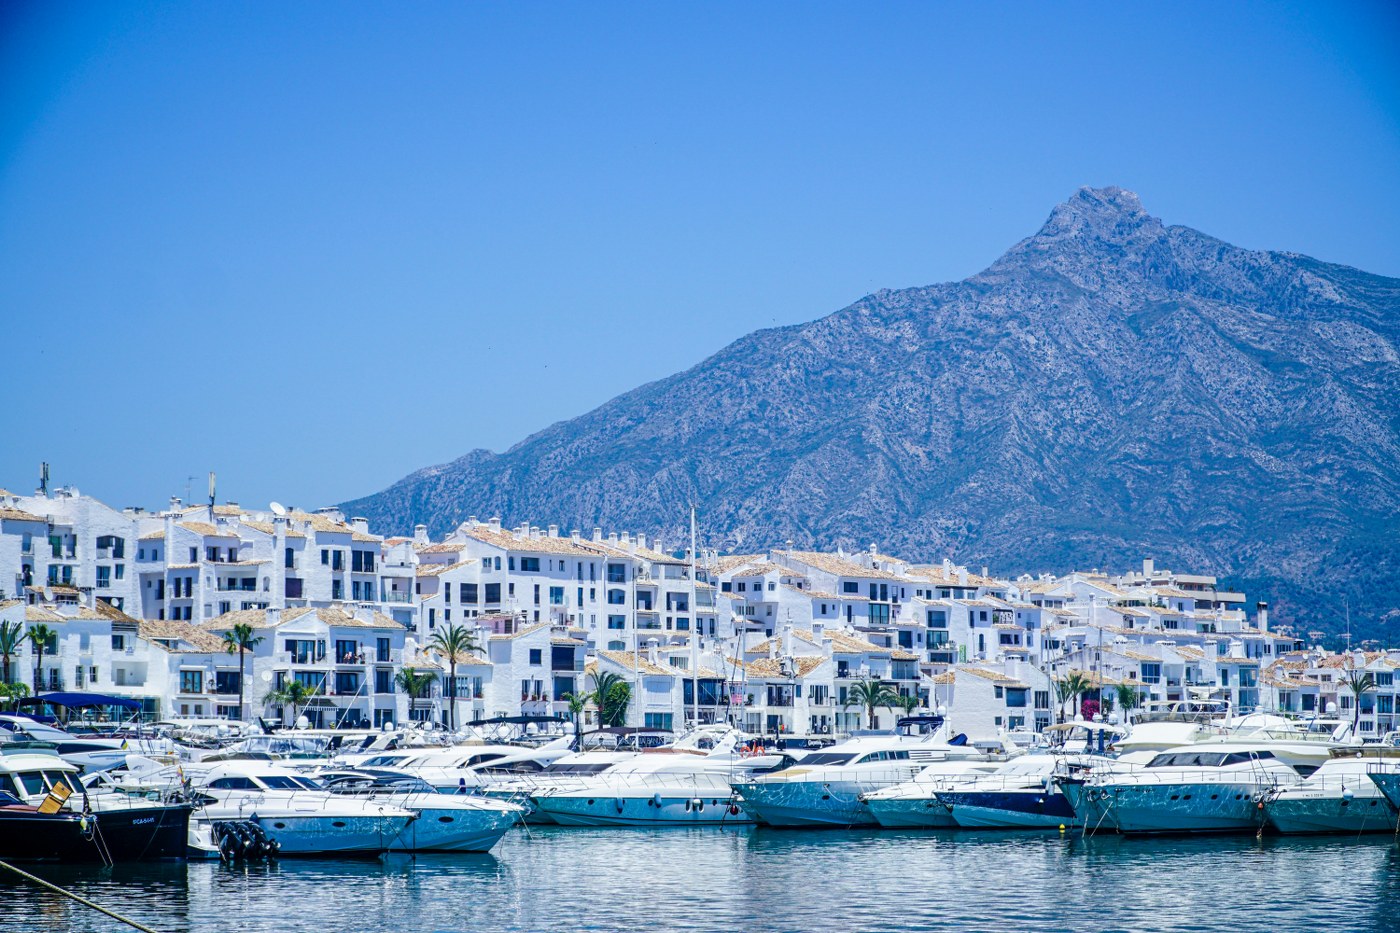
[(913, 804), (824, 788), (445, 823), (298, 813), (1342, 795), (90, 753), (687, 783), (1021, 794), (466, 768), (1205, 787)]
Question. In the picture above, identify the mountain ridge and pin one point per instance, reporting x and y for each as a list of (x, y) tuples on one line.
[(1110, 388)]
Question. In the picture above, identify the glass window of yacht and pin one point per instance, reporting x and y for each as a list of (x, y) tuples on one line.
[(591, 768), (232, 783), (31, 782), (826, 758), (284, 782)]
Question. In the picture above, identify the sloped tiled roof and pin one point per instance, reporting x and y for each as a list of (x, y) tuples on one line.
[(628, 661), (840, 566), (198, 639)]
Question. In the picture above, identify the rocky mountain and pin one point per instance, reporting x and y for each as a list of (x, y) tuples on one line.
[(1110, 389)]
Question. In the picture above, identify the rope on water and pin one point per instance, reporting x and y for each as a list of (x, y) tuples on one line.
[(77, 897)]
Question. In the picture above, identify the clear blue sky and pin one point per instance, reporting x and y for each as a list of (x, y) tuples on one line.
[(316, 246)]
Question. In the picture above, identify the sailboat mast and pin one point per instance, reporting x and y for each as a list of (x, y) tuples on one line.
[(694, 630)]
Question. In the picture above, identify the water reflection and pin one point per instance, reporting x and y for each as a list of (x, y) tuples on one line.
[(760, 880)]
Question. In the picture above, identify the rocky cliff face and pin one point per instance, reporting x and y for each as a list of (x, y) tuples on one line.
[(1110, 389)]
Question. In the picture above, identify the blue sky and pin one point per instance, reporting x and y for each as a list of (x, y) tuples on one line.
[(315, 246)]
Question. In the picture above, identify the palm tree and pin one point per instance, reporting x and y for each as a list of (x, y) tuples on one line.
[(577, 703), (11, 694), (1359, 682), (1128, 698), (42, 636), (871, 694), (1070, 688), (415, 684), (292, 693), (611, 694), (455, 643), (240, 638), (11, 637), (908, 702)]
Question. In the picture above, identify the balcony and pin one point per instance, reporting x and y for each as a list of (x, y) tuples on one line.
[(395, 596)]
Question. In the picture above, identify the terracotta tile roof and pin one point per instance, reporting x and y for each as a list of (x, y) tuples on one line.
[(19, 515), (1001, 680), (840, 566), (198, 639), (40, 614), (442, 548), (321, 523), (218, 510), (433, 570), (268, 528), (529, 629), (935, 574), (899, 654), (729, 561), (627, 661), (510, 541), (771, 668), (207, 530), (157, 535), (259, 618)]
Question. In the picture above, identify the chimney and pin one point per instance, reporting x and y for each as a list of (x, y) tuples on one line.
[(554, 531), (574, 534), (494, 522), (962, 576), (274, 616), (1013, 667), (597, 533), (818, 630), (612, 537), (420, 534), (772, 649), (947, 567), (986, 573), (175, 503), (1261, 616), (360, 525), (641, 540), (1147, 567), (787, 640), (653, 653)]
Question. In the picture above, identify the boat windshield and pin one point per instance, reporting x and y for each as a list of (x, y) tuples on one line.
[(827, 758), (287, 782), (591, 768), (1206, 759)]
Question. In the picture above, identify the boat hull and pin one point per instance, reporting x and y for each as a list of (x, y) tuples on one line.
[(453, 829), (131, 834), (910, 813), (810, 804), (654, 810), (1330, 814), (1030, 809), (322, 834), (1173, 808)]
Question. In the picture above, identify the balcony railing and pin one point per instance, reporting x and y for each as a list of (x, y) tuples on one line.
[(394, 596)]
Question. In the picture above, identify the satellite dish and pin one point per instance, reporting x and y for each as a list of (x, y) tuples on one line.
[(266, 677), (277, 508)]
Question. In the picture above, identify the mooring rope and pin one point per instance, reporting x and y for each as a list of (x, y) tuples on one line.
[(77, 897)]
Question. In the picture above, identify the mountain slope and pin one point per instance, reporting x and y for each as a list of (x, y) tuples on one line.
[(1111, 388)]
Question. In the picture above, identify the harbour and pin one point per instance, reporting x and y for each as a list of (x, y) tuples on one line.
[(759, 879)]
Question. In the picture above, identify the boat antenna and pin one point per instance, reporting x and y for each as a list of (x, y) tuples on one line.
[(694, 630)]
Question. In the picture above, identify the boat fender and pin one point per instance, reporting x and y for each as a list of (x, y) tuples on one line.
[(733, 809), (656, 801), (697, 804), (619, 803), (1347, 793)]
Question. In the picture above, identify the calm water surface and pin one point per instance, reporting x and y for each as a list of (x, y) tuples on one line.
[(760, 880)]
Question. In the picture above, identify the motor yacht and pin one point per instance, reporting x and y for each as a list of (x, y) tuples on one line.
[(824, 788), (445, 823), (89, 753), (1204, 787), (298, 813), (1341, 796), (913, 804), (45, 814), (1020, 794)]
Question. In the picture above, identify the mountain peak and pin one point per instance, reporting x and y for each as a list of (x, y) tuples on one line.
[(1100, 213)]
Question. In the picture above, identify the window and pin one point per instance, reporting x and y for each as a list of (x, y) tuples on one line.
[(362, 561), (325, 557), (104, 577), (118, 643), (120, 571), (226, 682), (466, 592), (617, 573), (493, 593), (289, 559), (190, 681), (556, 596), (536, 656), (617, 622), (381, 650), (529, 565), (383, 680), (347, 682), (850, 586), (616, 597), (1015, 696)]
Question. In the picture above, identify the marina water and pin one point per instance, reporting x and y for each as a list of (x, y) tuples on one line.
[(759, 880)]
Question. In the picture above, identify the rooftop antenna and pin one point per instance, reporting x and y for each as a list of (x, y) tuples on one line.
[(211, 495), (44, 478), (277, 508), (1346, 604)]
